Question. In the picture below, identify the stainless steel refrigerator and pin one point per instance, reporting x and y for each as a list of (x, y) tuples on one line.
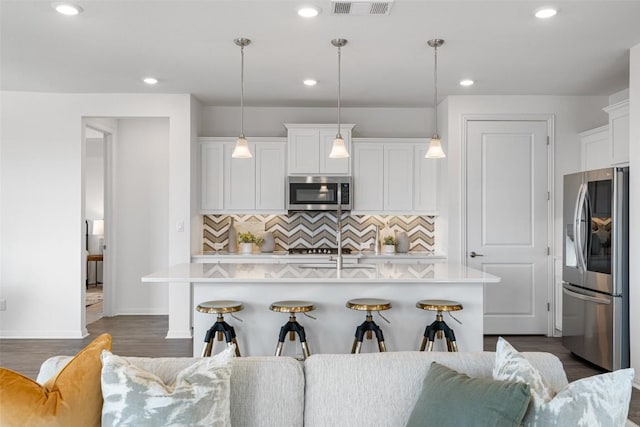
[(595, 274)]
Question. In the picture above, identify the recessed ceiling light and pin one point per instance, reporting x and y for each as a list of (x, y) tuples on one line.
[(308, 11), (466, 82), (150, 80), (310, 82), (547, 12), (69, 9)]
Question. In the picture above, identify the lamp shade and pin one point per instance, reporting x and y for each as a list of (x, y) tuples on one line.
[(338, 150), (98, 227), (435, 150), (241, 151)]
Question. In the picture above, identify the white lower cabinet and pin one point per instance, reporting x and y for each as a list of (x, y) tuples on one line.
[(241, 185), (392, 176)]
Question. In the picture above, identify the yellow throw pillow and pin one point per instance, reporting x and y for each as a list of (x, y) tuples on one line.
[(71, 398)]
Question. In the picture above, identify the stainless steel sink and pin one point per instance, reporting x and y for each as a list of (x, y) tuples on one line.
[(332, 265)]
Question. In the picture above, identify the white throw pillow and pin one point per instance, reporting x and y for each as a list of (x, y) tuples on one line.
[(200, 395), (600, 400)]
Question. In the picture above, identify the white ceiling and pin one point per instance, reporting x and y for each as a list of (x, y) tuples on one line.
[(188, 46)]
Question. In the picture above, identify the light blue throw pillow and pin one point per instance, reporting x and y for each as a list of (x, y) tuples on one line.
[(453, 399), (134, 397)]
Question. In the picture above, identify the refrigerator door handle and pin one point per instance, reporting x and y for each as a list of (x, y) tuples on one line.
[(586, 297), (577, 228)]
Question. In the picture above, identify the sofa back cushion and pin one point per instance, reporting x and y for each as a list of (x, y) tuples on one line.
[(265, 391), (382, 388)]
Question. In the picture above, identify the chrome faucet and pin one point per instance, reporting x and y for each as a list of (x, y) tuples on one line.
[(339, 235), (376, 242)]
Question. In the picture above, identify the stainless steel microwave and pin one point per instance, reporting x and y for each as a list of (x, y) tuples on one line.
[(319, 193)]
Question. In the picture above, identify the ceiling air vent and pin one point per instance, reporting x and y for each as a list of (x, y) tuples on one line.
[(361, 7)]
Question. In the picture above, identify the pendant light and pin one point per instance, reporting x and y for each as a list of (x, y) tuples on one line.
[(435, 147), (339, 150), (241, 150)]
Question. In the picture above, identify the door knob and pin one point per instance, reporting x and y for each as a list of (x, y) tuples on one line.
[(473, 254)]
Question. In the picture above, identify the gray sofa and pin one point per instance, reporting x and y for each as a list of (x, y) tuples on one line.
[(374, 389)]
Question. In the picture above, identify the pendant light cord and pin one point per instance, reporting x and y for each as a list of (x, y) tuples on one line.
[(435, 91), (242, 91), (339, 89)]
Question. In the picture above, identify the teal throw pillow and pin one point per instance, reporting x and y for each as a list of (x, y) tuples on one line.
[(450, 398)]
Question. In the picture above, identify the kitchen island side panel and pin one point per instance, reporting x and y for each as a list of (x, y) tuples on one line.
[(334, 328)]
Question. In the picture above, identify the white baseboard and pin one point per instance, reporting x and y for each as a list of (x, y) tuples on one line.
[(140, 312), (54, 335), (179, 335)]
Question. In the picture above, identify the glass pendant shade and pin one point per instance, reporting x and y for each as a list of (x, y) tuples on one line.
[(339, 149), (241, 150), (435, 150)]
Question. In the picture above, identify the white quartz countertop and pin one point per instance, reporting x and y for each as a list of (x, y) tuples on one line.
[(370, 272), (285, 256)]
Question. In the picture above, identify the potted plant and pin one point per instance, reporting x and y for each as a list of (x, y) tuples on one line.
[(246, 242), (389, 245)]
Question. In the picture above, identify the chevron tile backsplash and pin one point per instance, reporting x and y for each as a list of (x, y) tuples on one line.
[(318, 229)]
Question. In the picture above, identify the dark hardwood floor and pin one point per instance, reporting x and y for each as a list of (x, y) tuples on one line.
[(145, 336)]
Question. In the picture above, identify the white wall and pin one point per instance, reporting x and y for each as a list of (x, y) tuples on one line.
[(94, 179), (634, 214), (268, 121), (142, 216), (41, 184), (572, 115)]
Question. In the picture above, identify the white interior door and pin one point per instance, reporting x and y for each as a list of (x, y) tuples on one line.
[(507, 221)]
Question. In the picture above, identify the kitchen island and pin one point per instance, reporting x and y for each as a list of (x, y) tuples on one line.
[(257, 285)]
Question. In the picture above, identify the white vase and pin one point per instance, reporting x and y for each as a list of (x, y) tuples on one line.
[(246, 248), (388, 249)]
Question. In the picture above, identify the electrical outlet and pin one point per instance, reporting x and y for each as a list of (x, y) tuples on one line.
[(3, 304)]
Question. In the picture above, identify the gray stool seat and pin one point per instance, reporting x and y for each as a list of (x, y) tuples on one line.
[(439, 328), (220, 328), (292, 327), (368, 327)]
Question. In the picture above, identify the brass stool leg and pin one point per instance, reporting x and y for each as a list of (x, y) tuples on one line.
[(357, 345), (291, 328), (233, 340), (206, 351), (424, 343)]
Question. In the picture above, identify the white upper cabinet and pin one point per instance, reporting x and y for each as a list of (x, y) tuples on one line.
[(309, 146), (243, 185), (368, 177), (212, 177), (270, 176), (398, 177), (239, 180), (391, 176), (425, 179), (619, 132), (595, 148)]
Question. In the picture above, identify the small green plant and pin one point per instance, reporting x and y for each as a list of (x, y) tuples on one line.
[(389, 240), (247, 237)]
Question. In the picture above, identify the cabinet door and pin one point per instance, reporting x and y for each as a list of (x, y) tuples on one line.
[(303, 151), (368, 177), (239, 180), (426, 173), (212, 175), (270, 176), (333, 166), (619, 136), (398, 177)]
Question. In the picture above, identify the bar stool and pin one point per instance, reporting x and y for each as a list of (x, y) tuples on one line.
[(220, 327), (439, 327), (292, 327), (368, 326)]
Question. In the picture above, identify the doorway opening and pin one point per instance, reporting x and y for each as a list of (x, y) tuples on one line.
[(94, 207)]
